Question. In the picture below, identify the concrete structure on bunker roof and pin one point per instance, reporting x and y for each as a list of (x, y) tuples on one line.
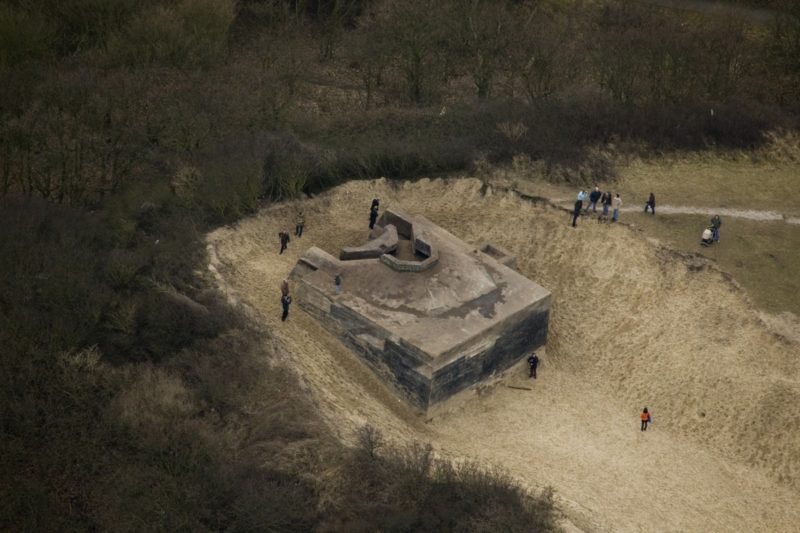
[(429, 313)]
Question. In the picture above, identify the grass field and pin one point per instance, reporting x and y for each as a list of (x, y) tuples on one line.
[(713, 181), (763, 256)]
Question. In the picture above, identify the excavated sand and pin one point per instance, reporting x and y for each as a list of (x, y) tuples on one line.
[(632, 324)]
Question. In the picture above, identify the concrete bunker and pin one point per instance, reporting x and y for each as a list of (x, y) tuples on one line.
[(429, 313)]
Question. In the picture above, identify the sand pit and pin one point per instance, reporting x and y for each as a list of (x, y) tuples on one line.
[(631, 324)]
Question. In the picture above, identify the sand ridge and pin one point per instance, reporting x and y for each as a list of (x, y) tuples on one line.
[(632, 324)]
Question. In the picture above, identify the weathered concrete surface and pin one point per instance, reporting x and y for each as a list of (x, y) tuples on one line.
[(499, 253), (385, 242), (433, 331)]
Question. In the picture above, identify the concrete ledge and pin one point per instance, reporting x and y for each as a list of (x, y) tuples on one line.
[(401, 265), (423, 245), (499, 254), (386, 242), (314, 259), (399, 219)]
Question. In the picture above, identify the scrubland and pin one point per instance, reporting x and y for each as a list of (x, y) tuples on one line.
[(136, 394)]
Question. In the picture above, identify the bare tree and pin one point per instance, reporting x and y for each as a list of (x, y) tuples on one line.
[(481, 29), (784, 51), (281, 64), (542, 48), (369, 55), (331, 19), (414, 37)]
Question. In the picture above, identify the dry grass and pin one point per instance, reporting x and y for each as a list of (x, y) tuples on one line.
[(766, 181), (632, 324), (764, 257)]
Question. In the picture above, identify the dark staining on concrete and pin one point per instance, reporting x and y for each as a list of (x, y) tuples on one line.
[(430, 314)]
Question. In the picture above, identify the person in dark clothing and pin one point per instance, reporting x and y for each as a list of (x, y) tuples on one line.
[(300, 222), (284, 237), (376, 203), (577, 211), (651, 204), (533, 361), (716, 222), (594, 196), (285, 301), (606, 201), (373, 216)]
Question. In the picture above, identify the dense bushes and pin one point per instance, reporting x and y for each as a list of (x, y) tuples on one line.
[(187, 33), (131, 396), (552, 82)]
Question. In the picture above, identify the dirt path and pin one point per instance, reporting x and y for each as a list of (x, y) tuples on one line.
[(632, 324), (609, 475), (749, 214)]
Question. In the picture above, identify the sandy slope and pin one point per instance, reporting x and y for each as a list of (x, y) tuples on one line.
[(632, 325)]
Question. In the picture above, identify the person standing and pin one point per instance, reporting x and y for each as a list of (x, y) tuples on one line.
[(606, 202), (337, 284), (373, 215), (644, 416), (617, 204), (300, 222), (533, 362), (285, 301), (651, 203), (594, 196), (716, 222), (284, 237), (576, 212)]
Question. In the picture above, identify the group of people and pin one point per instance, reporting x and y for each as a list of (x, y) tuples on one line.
[(608, 201), (612, 201), (283, 235), (284, 238)]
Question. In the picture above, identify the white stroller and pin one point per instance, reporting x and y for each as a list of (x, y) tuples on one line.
[(708, 237)]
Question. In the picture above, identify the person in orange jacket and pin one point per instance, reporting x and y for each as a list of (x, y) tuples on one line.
[(645, 418)]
